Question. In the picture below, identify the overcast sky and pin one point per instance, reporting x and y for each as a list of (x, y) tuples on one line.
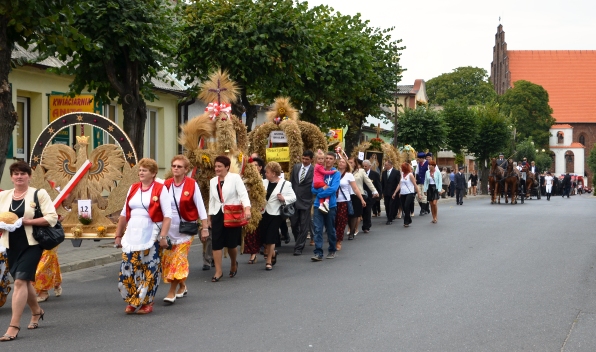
[(441, 35)]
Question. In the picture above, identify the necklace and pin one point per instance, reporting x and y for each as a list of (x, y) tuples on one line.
[(15, 209), (146, 189), (21, 196)]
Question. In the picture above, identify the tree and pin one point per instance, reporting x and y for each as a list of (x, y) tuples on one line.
[(543, 161), (493, 136), (131, 43), (527, 106), (264, 45), (592, 165), (26, 23), (462, 125), (525, 149), (422, 128), (468, 84)]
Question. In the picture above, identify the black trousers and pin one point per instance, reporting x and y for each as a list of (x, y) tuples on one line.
[(376, 207), (391, 207), (366, 214), (459, 195), (407, 204), (301, 224)]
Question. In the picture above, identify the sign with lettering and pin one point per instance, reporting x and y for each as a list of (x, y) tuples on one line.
[(281, 154), (63, 104), (278, 137)]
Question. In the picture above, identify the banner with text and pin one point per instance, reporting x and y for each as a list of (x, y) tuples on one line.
[(63, 104), (281, 154)]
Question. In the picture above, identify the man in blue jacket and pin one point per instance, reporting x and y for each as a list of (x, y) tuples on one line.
[(327, 220)]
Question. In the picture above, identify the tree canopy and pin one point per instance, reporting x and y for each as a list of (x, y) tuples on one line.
[(463, 128), (423, 128), (126, 43), (27, 23), (526, 104), (469, 85)]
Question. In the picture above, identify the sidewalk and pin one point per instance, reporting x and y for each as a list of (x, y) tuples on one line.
[(92, 253)]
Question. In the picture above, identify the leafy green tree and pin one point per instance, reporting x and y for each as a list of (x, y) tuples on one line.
[(525, 149), (493, 136), (461, 121), (24, 23), (526, 104), (423, 128), (127, 43), (264, 45), (467, 84), (592, 165), (543, 161)]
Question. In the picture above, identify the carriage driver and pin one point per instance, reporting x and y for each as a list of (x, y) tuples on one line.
[(502, 162)]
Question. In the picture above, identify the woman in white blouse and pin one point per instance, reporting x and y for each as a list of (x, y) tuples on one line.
[(187, 206), (347, 187), (360, 178), (225, 188), (433, 187), (142, 229), (279, 192)]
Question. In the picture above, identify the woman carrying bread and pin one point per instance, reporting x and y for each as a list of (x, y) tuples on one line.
[(23, 251)]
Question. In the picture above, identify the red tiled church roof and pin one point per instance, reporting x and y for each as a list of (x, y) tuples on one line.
[(569, 77), (561, 126), (573, 145)]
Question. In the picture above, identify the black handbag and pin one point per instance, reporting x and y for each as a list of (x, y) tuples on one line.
[(48, 237), (286, 210), (187, 228)]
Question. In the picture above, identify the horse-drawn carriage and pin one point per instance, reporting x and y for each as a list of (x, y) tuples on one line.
[(511, 182)]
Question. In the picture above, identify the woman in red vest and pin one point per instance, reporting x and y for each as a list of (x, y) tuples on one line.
[(146, 217), (187, 206)]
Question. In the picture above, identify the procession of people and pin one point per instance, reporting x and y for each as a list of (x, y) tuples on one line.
[(159, 220)]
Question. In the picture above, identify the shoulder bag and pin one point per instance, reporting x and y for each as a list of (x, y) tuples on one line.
[(187, 228), (48, 237), (350, 206), (286, 210), (233, 213)]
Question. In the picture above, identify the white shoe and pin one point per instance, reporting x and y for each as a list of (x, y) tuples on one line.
[(58, 291), (170, 300), (180, 295), (326, 205), (323, 209)]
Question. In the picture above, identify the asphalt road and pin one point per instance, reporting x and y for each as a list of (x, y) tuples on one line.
[(485, 278)]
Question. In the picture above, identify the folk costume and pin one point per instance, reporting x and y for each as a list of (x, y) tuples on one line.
[(189, 201), (140, 271), (4, 281), (48, 275)]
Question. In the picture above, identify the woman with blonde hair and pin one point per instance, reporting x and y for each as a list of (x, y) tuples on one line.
[(279, 192), (187, 207), (225, 188), (347, 187), (141, 233), (22, 250)]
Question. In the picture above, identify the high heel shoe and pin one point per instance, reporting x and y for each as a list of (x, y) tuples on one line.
[(35, 325), (253, 260), (216, 279), (7, 337), (268, 267), (233, 273), (274, 258)]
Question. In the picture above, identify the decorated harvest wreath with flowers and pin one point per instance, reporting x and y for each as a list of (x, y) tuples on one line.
[(218, 132), (397, 156), (300, 135)]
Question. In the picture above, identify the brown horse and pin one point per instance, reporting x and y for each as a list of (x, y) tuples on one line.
[(511, 182), (530, 180), (494, 179)]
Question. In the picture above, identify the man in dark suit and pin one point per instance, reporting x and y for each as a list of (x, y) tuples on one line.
[(389, 181), (566, 183), (301, 178), (376, 180), (460, 186)]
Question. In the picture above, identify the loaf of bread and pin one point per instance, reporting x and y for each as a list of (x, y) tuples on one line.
[(8, 217)]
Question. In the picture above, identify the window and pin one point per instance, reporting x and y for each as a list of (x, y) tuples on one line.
[(151, 127), (560, 137), (582, 140), (21, 129)]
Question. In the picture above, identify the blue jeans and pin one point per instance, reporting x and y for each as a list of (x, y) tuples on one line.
[(328, 220)]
